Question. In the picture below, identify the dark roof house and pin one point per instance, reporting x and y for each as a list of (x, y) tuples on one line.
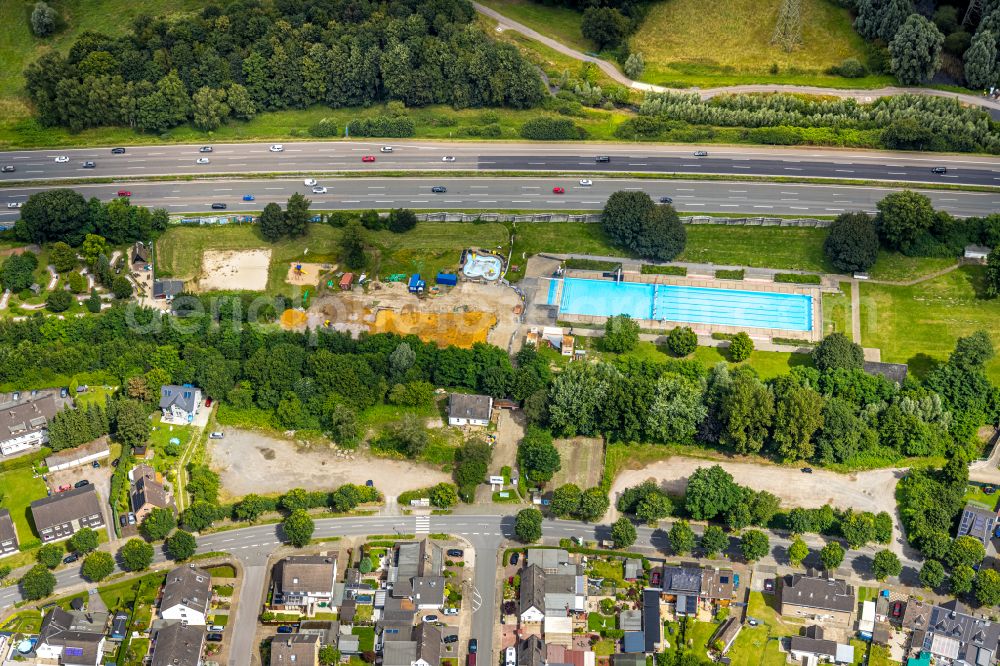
[(184, 398), (532, 592), (8, 535), (167, 288), (977, 522), (60, 515), (815, 592), (894, 372), (295, 650), (186, 586), (949, 633), (179, 644), (77, 641), (464, 408), (531, 652)]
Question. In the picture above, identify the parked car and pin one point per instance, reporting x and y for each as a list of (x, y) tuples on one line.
[(666, 200), (89, 165), (448, 158), (123, 519), (939, 170), (558, 190), (439, 189), (202, 160), (216, 627), (586, 182), (208, 402), (62, 159), (95, 464), (309, 182), (385, 149), (218, 206), (370, 483), (131, 518), (514, 557), (897, 609), (450, 611), (319, 189), (117, 151), (455, 552), (284, 629), (473, 645), (430, 618), (7, 168), (276, 148), (248, 197), (124, 193), (205, 149), (769, 584), (71, 558), (807, 470), (216, 435), (989, 490), (368, 158), (81, 483), (214, 637), (14, 204), (63, 488), (449, 639), (701, 153)]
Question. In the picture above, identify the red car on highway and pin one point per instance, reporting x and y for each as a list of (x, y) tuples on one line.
[(124, 193), (368, 158), (558, 190)]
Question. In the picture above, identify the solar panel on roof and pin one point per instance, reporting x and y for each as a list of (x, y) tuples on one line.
[(74, 652)]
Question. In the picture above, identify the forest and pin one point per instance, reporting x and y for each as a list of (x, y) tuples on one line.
[(251, 56)]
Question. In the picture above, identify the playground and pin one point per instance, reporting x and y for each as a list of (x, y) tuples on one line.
[(480, 265), (302, 274), (229, 270)]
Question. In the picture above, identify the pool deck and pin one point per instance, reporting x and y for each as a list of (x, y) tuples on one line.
[(762, 285)]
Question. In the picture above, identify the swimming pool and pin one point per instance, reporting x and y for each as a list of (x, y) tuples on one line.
[(696, 305)]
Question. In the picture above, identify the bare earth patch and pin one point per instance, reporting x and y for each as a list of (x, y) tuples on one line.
[(582, 461), (226, 270), (251, 462), (303, 274)]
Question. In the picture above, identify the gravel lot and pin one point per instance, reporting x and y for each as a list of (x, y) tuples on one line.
[(251, 462)]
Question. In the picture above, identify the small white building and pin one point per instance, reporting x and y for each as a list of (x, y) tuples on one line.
[(81, 455), (866, 624), (976, 253), (469, 410), (179, 403), (25, 424)]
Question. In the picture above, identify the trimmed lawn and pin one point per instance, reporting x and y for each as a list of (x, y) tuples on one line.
[(366, 638), (759, 247), (837, 311), (222, 571), (689, 42), (18, 489), (604, 647), (26, 621), (597, 622), (767, 364), (898, 267), (976, 494), (764, 608), (609, 570), (94, 395), (756, 647), (919, 325)]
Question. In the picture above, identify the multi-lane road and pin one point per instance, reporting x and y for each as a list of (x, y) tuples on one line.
[(689, 196)]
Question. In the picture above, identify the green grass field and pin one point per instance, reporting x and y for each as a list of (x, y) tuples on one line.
[(689, 42), (837, 311), (18, 489), (559, 23), (976, 494), (919, 325)]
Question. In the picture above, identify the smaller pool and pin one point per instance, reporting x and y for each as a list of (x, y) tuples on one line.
[(482, 265), (553, 289), (27, 645)]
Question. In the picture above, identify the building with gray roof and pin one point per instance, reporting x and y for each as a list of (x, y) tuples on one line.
[(817, 597), (186, 593), (25, 424), (61, 515), (179, 403), (295, 650), (950, 634), (178, 644), (69, 638), (8, 534)]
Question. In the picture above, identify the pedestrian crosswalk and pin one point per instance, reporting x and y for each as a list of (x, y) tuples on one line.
[(423, 525)]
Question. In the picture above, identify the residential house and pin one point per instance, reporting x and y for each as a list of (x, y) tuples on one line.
[(630, 620), (348, 609), (531, 652), (167, 288), (295, 650), (948, 633), (305, 582), (428, 640), (25, 424), (979, 523), (634, 642), (399, 653), (60, 515), (179, 403), (565, 593), (717, 586), (817, 598), (147, 492), (186, 594), (418, 646), (682, 585), (652, 628), (428, 592), (469, 410), (532, 595), (79, 456), (69, 638), (813, 648), (633, 568), (558, 629), (621, 659), (327, 631), (140, 255), (559, 655), (396, 619), (8, 535), (866, 623), (414, 559), (551, 560), (119, 626), (727, 632), (178, 644)]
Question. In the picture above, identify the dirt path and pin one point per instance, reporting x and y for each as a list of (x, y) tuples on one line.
[(250, 462), (510, 431)]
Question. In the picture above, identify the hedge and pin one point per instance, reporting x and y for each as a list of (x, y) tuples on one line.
[(797, 278), (723, 274), (544, 128), (387, 126), (663, 270)]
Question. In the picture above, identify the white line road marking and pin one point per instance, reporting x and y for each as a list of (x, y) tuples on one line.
[(844, 170)]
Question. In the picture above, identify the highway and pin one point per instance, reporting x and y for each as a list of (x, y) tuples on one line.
[(486, 535), (689, 196), (331, 156)]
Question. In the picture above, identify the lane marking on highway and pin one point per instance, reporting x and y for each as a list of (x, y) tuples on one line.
[(834, 209), (536, 163), (737, 166), (477, 599), (274, 188), (728, 205), (902, 173), (792, 169), (351, 201), (492, 201), (844, 170), (799, 207), (763, 206), (479, 187), (590, 202)]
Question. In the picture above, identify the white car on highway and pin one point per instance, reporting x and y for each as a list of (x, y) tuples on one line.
[(14, 204), (586, 183), (276, 148), (447, 158), (385, 149), (319, 189), (202, 160), (309, 182), (62, 159)]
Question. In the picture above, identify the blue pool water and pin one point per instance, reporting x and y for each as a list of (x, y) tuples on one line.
[(553, 286), (697, 305)]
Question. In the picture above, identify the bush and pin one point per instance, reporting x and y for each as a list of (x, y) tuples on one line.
[(59, 300), (648, 269), (740, 347), (43, 20), (797, 278), (849, 68), (544, 128), (682, 341), (723, 274), (326, 127), (382, 126)]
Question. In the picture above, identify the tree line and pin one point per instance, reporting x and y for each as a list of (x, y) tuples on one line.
[(244, 58)]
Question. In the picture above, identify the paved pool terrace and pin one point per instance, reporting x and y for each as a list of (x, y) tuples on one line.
[(762, 308)]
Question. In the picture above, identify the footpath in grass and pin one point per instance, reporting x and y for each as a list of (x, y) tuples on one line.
[(555, 21), (919, 325)]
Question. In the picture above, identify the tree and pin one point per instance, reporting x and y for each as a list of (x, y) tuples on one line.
[(157, 524), (883, 527), (76, 282), (902, 218), (329, 655), (798, 415), (634, 65), (121, 287), (54, 215), (798, 552), (296, 222), (4, 572), (98, 566), (298, 528), (682, 539), (991, 280), (565, 500), (444, 496), (131, 423), (136, 555), (754, 545), (59, 300), (401, 220), (93, 302), (981, 59), (271, 222), (961, 580), (181, 545), (710, 492), (632, 220), (885, 564), (966, 550), (199, 515), (987, 587), (677, 409), (837, 351), (84, 541), (858, 528), (932, 574), (621, 334), (43, 20), (538, 456), (352, 245), (594, 503), (607, 27), (623, 533), (831, 555), (740, 347), (713, 541), (62, 256), (209, 108), (682, 341), (472, 461), (528, 525), (93, 247), (249, 508), (746, 411), (17, 271), (37, 583), (51, 555), (851, 244), (916, 50)]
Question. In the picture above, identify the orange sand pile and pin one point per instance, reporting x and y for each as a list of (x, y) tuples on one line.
[(293, 319), (462, 329)]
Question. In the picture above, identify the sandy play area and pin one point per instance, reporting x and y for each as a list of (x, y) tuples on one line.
[(225, 270), (462, 329), (251, 462), (307, 275)]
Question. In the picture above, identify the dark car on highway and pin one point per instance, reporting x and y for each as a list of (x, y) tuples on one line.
[(117, 151), (666, 200), (602, 158), (218, 206), (939, 170), (439, 189), (205, 149), (89, 165)]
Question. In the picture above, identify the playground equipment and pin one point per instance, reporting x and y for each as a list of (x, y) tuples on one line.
[(396, 277), (482, 265)]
